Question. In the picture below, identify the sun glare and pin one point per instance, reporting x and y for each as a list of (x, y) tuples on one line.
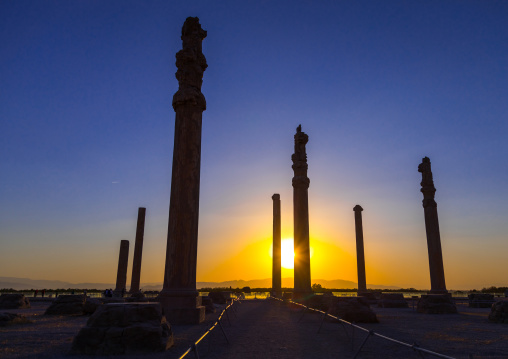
[(287, 253)]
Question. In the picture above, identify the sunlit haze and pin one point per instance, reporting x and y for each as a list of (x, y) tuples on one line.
[(87, 129)]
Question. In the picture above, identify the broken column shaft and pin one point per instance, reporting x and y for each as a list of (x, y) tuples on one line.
[(121, 274), (138, 251), (360, 256), (437, 278), (276, 249)]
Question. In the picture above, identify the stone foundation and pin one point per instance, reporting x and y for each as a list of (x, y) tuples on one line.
[(481, 300), (392, 300), (67, 305), (130, 328), (182, 309), (352, 309), (14, 301), (499, 312), (436, 304)]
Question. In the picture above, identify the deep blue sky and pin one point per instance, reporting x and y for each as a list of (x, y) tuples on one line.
[(86, 130)]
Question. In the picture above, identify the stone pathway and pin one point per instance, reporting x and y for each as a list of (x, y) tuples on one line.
[(269, 329)]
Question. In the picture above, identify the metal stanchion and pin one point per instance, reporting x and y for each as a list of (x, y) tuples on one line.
[(363, 343), (223, 332), (195, 350), (322, 320)]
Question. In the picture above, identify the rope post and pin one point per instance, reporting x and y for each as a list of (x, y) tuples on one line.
[(195, 350), (363, 343), (322, 320), (303, 312), (234, 309), (227, 315), (352, 337), (223, 332)]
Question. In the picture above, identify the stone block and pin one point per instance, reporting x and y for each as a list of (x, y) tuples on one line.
[(185, 315), (14, 301), (392, 300), (130, 328), (499, 312), (220, 297), (208, 304), (436, 304), (352, 309), (67, 305), (91, 305), (480, 300)]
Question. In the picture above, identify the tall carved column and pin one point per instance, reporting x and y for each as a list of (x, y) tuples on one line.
[(179, 298), (360, 256), (437, 278), (138, 251), (276, 270), (301, 217), (121, 274)]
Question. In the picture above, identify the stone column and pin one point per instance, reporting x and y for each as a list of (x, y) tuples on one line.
[(360, 256), (301, 217), (276, 270), (138, 251), (121, 274), (179, 298), (437, 278)]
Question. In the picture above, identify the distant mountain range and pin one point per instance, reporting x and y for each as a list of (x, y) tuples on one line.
[(26, 283)]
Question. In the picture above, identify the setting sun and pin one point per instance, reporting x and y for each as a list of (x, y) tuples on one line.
[(287, 253)]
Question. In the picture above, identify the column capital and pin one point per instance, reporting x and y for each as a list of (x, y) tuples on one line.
[(276, 197), (357, 208), (191, 64)]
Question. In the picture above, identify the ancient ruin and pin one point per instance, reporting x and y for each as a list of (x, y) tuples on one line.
[(428, 303), (121, 274), (276, 248), (179, 298), (301, 183), (134, 328), (14, 301), (437, 279), (138, 252), (360, 256)]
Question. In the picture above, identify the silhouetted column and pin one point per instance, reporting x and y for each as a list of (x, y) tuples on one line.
[(121, 274), (437, 278), (276, 270), (138, 251), (179, 298), (360, 256), (301, 217)]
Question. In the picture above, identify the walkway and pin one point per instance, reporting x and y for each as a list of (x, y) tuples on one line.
[(268, 329)]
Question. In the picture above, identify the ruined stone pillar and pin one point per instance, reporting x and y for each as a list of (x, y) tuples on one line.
[(138, 251), (179, 298), (360, 256), (437, 278), (276, 266), (301, 217), (121, 274)]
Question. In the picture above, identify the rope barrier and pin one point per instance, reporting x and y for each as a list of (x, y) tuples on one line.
[(194, 346), (369, 332)]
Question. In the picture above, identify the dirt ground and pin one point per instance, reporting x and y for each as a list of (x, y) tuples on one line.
[(269, 329)]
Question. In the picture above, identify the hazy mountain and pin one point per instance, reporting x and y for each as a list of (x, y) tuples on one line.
[(26, 283)]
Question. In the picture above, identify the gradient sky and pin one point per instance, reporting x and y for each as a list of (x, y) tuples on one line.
[(87, 129)]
